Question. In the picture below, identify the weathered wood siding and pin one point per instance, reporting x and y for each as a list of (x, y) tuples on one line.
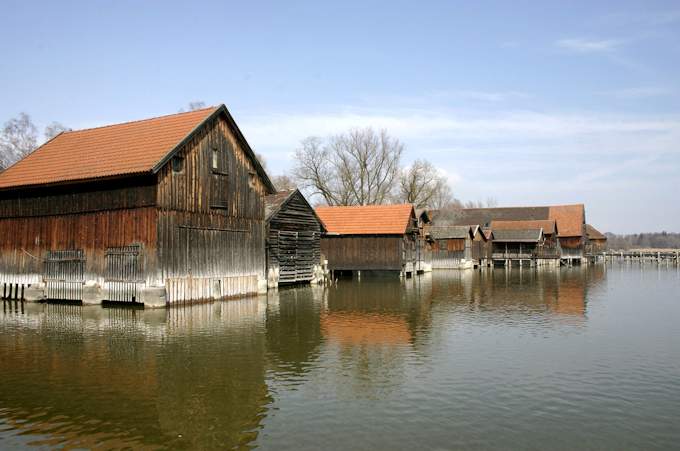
[(211, 227), (449, 253), (293, 241), (89, 217), (366, 252), (572, 247)]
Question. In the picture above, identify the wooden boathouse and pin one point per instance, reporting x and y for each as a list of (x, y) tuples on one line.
[(569, 223), (596, 241), (162, 210), (370, 238), (457, 247), (293, 239), (517, 245)]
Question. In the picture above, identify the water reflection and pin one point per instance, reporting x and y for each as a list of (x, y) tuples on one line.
[(216, 375)]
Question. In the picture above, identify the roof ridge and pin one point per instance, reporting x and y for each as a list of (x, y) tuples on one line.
[(65, 132), (524, 206), (364, 206)]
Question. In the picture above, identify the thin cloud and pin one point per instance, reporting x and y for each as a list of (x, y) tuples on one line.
[(580, 45), (642, 92), (641, 19)]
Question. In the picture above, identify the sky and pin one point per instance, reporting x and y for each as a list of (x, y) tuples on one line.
[(531, 103)]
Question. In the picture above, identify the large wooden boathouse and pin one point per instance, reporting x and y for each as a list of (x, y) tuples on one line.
[(293, 239), (161, 210), (370, 238)]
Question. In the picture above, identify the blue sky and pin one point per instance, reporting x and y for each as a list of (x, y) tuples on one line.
[(528, 102)]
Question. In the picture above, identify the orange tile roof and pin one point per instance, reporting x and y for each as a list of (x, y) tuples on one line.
[(548, 225), (366, 219), (593, 234), (570, 219), (127, 148)]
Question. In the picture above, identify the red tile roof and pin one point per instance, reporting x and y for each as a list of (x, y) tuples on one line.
[(366, 219), (570, 219), (128, 148), (593, 234)]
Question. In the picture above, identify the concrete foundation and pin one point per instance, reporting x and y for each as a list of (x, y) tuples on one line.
[(262, 285), (35, 293), (92, 293), (153, 297)]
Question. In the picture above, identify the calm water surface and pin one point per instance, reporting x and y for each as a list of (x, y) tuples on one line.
[(577, 358)]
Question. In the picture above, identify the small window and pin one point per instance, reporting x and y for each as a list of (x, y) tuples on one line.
[(442, 244), (252, 177), (215, 159), (177, 164)]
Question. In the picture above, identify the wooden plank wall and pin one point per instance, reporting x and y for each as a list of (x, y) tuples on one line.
[(25, 241), (208, 250), (302, 251), (453, 254), (132, 192), (368, 252)]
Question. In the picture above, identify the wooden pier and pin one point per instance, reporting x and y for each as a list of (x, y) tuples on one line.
[(670, 256)]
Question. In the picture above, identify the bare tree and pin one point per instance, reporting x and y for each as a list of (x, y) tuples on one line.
[(193, 105), (421, 184), (18, 138), (359, 167), (443, 199), (54, 129), (491, 202), (283, 182)]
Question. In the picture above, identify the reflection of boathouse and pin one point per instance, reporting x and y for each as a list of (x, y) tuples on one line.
[(136, 379)]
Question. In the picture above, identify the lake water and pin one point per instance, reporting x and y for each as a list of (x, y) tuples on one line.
[(571, 358)]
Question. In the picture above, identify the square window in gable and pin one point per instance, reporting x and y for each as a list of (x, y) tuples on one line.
[(177, 164)]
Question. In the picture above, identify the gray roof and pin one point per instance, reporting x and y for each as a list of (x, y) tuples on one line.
[(449, 232), (518, 236), (273, 202)]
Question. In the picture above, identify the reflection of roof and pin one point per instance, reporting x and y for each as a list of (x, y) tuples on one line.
[(569, 218), (367, 219), (358, 328), (517, 236), (547, 225), (593, 234), (136, 147), (571, 299)]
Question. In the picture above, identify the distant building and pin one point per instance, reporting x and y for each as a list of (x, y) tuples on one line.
[(521, 245), (457, 247), (597, 242), (370, 238), (569, 223)]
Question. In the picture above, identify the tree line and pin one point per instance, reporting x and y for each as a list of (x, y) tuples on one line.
[(655, 240)]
